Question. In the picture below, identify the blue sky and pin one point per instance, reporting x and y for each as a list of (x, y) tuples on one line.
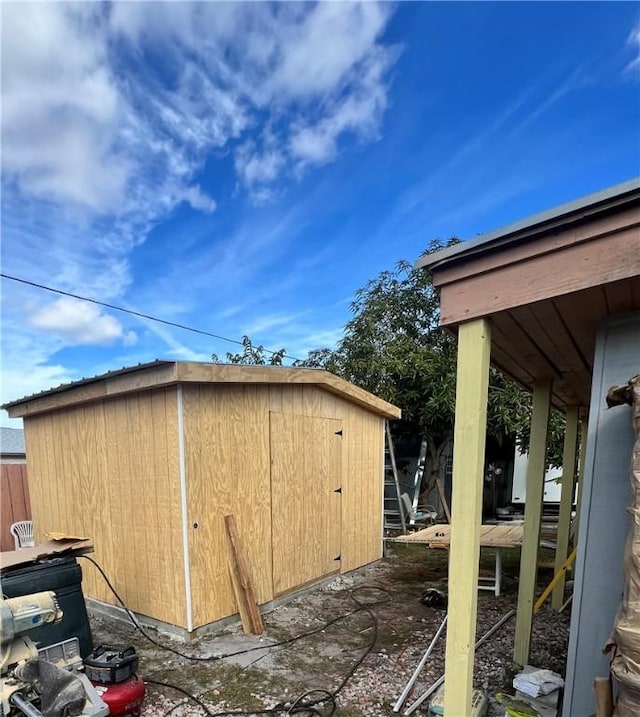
[(244, 168)]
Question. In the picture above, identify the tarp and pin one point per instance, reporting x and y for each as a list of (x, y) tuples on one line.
[(625, 640)]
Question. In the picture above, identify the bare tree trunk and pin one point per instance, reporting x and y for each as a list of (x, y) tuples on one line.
[(435, 452)]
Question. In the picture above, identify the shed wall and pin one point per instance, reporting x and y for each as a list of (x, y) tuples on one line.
[(362, 466), (603, 515), (109, 471), (228, 470), (226, 431)]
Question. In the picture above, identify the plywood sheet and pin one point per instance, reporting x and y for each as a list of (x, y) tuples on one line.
[(362, 483), (305, 475), (362, 467), (107, 470), (227, 472), (491, 536)]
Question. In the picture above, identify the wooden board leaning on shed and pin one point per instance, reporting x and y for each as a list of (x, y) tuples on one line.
[(242, 582)]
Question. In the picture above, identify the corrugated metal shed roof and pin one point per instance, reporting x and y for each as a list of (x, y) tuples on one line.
[(12, 441), (85, 381), (169, 373)]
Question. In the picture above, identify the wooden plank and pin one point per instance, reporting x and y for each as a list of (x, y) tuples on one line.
[(544, 334), (97, 476), (619, 297), (507, 355), (572, 269), (582, 312), (504, 536), (555, 235), (216, 373), (529, 353), (6, 515), (548, 333), (474, 342), (559, 575), (243, 585), (533, 511), (569, 455)]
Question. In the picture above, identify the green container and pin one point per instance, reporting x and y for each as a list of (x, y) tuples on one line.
[(64, 577)]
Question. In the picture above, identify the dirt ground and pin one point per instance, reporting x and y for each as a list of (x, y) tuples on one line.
[(266, 677)]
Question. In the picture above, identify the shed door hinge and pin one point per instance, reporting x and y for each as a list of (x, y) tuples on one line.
[(338, 490), (338, 433)]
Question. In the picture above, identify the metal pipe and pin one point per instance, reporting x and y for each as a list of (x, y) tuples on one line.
[(24, 706), (425, 695), (405, 693)]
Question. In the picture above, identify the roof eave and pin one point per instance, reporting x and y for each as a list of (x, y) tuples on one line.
[(161, 374), (556, 218)]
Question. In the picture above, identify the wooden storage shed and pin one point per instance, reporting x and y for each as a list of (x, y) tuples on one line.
[(148, 460)]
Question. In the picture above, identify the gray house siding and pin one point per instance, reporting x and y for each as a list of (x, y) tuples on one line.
[(604, 522)]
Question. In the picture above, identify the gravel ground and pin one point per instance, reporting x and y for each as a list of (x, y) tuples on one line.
[(266, 677)]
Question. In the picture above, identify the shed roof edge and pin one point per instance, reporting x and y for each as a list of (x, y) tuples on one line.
[(118, 382)]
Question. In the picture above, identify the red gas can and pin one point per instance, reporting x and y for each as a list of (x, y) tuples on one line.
[(123, 698)]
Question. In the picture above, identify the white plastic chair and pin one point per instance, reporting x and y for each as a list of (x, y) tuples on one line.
[(22, 532)]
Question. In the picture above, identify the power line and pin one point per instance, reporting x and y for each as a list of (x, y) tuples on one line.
[(134, 313)]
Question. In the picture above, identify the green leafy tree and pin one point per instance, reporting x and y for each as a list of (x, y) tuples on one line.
[(253, 355), (393, 347), (318, 358)]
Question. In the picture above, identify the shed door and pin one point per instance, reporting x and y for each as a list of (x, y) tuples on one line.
[(305, 499)]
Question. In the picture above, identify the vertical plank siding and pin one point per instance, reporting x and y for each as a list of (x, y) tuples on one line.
[(305, 472), (228, 473), (109, 471), (14, 500), (362, 468)]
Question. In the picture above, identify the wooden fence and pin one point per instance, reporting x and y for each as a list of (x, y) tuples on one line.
[(14, 500)]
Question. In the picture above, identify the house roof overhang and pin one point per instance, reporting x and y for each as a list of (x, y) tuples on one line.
[(545, 284), (158, 374)]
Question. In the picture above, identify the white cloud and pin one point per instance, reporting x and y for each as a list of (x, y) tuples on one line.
[(60, 108), (634, 41), (323, 52), (76, 130), (100, 145), (253, 64), (271, 321), (79, 323), (358, 113), (256, 168), (87, 123), (197, 199)]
